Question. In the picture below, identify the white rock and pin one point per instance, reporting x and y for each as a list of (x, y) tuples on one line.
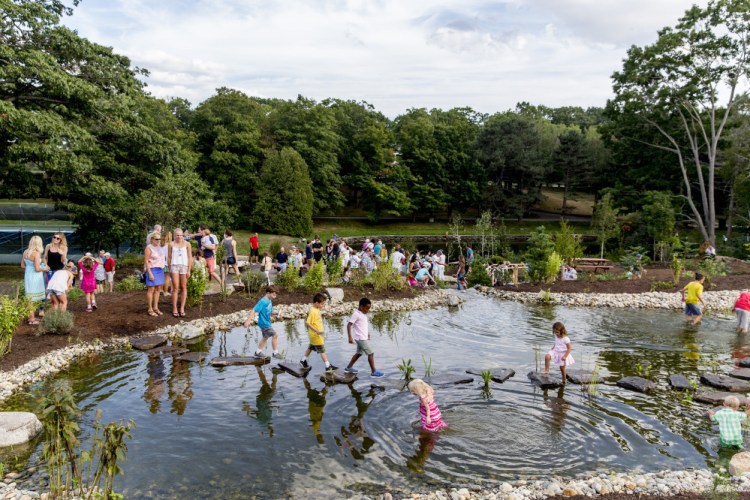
[(189, 331), (18, 427), (336, 294), (506, 488), (740, 463)]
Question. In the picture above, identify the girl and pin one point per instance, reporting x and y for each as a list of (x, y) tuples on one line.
[(155, 263), (560, 352), (432, 419), (742, 310), (33, 277), (55, 254), (267, 265), (199, 264), (99, 274), (57, 288), (88, 266), (461, 273)]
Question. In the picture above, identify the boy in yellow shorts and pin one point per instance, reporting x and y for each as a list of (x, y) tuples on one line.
[(314, 325)]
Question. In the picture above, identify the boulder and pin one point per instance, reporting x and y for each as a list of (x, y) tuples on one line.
[(193, 357), (545, 380), (743, 373), (499, 375), (295, 369), (680, 383), (189, 332), (167, 350), (716, 397), (452, 300), (18, 427), (336, 295), (739, 464), (240, 361), (725, 383), (579, 376), (334, 377), (449, 379), (638, 384), (148, 343), (744, 362)]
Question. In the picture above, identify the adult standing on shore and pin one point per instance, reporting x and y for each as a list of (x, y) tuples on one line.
[(155, 262), (317, 248), (282, 260), (308, 253), (55, 254), (33, 277), (180, 266), (254, 245), (230, 254)]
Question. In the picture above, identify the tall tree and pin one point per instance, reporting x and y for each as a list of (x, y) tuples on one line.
[(570, 163)]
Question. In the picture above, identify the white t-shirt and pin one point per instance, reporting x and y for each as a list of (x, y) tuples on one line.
[(360, 327), (396, 258), (59, 281)]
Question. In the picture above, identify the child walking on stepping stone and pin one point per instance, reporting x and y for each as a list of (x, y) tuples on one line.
[(314, 325), (358, 330), (264, 309), (432, 419), (560, 352), (730, 421)]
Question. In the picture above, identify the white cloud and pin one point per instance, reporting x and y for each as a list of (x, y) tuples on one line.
[(394, 54)]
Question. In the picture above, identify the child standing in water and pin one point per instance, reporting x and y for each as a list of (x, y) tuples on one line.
[(560, 352), (432, 419), (730, 421)]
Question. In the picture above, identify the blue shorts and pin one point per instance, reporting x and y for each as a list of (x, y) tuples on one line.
[(692, 310)]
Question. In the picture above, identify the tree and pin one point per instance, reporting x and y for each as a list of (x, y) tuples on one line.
[(604, 223), (570, 163), (658, 216), (686, 87), (285, 195)]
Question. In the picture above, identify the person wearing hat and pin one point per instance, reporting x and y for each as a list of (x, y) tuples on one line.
[(109, 270)]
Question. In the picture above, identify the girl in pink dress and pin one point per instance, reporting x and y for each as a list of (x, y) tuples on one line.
[(88, 265), (560, 352), (432, 419)]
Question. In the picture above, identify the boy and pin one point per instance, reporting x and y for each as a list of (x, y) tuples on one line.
[(314, 325), (263, 309), (694, 291), (730, 421), (359, 330)]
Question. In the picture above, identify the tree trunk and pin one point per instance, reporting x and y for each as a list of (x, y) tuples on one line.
[(730, 212)]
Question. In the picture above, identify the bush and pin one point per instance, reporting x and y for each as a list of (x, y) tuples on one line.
[(274, 248), (130, 260), (711, 267), (315, 277), (567, 243), (196, 286), (254, 281), (56, 322), (538, 250), (288, 280), (385, 277), (335, 271), (127, 284), (552, 267), (12, 311), (74, 294), (478, 274)]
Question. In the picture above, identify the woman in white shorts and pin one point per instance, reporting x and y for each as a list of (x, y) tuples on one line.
[(180, 262), (57, 288)]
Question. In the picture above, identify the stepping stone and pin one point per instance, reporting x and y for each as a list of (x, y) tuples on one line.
[(580, 376), (449, 379), (743, 373), (545, 380), (193, 357), (148, 343), (726, 383), (167, 350), (638, 384), (744, 362), (18, 427), (295, 369), (240, 361), (384, 384), (189, 332), (680, 383), (716, 397), (338, 378), (499, 375)]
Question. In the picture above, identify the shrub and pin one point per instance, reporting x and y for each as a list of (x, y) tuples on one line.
[(130, 260), (288, 280), (567, 243), (127, 284), (12, 311), (254, 281), (74, 294), (56, 322), (274, 248), (385, 277), (478, 274), (315, 277), (538, 250), (712, 267), (552, 267), (196, 286), (335, 271)]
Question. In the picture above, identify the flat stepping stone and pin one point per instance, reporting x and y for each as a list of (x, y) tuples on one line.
[(295, 369), (579, 377), (334, 377), (638, 384), (499, 375), (18, 427), (148, 343), (240, 361), (167, 350), (384, 384), (680, 383), (193, 357), (743, 373), (448, 379), (545, 380), (716, 397), (725, 383), (744, 362)]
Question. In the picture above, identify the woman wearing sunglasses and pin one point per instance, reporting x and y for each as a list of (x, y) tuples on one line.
[(55, 254)]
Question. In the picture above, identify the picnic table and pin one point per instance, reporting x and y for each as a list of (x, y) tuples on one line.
[(510, 267), (588, 264)]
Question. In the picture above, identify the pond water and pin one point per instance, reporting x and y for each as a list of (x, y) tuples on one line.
[(205, 432)]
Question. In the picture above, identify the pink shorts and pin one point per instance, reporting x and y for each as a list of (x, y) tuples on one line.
[(211, 264), (557, 358)]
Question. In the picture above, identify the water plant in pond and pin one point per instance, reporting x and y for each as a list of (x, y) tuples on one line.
[(427, 367), (593, 387), (687, 397), (643, 370), (486, 377), (545, 296), (406, 369), (537, 357)]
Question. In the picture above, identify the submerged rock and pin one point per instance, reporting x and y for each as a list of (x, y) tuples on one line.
[(17, 427), (239, 361), (579, 376), (167, 350), (499, 375), (680, 383), (638, 384), (743, 373), (448, 379), (716, 397), (545, 380), (193, 357), (730, 384), (295, 369), (148, 343), (334, 377)]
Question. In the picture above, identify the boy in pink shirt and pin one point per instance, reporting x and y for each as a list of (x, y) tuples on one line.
[(358, 330)]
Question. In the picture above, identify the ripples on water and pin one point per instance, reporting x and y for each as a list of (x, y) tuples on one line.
[(205, 432)]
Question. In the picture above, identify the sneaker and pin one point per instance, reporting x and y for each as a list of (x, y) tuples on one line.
[(259, 354), (304, 364), (377, 374), (93, 305), (88, 309), (278, 355), (351, 370), (332, 368)]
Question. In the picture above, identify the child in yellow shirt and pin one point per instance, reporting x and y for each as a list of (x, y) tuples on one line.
[(314, 325)]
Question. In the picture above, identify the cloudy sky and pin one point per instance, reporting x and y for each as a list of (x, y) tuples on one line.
[(394, 54)]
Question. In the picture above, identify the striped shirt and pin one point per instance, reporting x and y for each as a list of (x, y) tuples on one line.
[(730, 426)]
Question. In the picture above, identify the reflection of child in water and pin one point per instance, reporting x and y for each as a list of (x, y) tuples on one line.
[(316, 404), (263, 401), (432, 419)]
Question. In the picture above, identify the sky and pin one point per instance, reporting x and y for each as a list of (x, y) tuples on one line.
[(393, 54)]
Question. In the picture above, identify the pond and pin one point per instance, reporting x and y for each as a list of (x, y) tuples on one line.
[(232, 432)]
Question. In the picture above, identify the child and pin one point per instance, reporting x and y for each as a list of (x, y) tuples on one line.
[(432, 419), (99, 274), (315, 331), (730, 421), (560, 352), (267, 265), (691, 296), (358, 329), (109, 269), (742, 310), (57, 288), (88, 266), (264, 309)]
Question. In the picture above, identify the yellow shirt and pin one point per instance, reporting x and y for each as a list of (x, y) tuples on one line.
[(694, 291), (316, 320)]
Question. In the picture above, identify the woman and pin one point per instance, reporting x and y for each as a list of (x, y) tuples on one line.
[(180, 266), (55, 254), (155, 263), (230, 254), (461, 273), (33, 277), (414, 265)]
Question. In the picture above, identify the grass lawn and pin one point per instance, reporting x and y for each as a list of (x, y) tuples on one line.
[(578, 203)]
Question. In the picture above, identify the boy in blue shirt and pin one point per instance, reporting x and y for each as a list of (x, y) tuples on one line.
[(264, 309)]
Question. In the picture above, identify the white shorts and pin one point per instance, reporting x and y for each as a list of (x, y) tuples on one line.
[(55, 292), (110, 276), (743, 318), (178, 269)]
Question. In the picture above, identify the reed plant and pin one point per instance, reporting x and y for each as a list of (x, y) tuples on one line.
[(406, 369)]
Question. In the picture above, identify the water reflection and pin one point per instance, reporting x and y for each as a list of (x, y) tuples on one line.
[(416, 462), (178, 382), (316, 402), (355, 431), (558, 409), (264, 403), (154, 384), (388, 323), (180, 386)]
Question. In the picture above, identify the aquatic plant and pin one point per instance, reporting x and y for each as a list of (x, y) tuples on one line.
[(427, 367), (643, 370), (545, 296), (593, 387), (406, 369), (486, 377)]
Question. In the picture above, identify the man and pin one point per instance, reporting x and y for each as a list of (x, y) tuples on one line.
[(254, 248), (692, 294), (209, 242), (397, 260), (308, 253), (317, 248), (469, 257), (109, 269)]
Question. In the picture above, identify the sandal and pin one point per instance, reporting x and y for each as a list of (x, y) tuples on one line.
[(33, 321), (152, 313), (182, 314), (176, 315), (158, 312)]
